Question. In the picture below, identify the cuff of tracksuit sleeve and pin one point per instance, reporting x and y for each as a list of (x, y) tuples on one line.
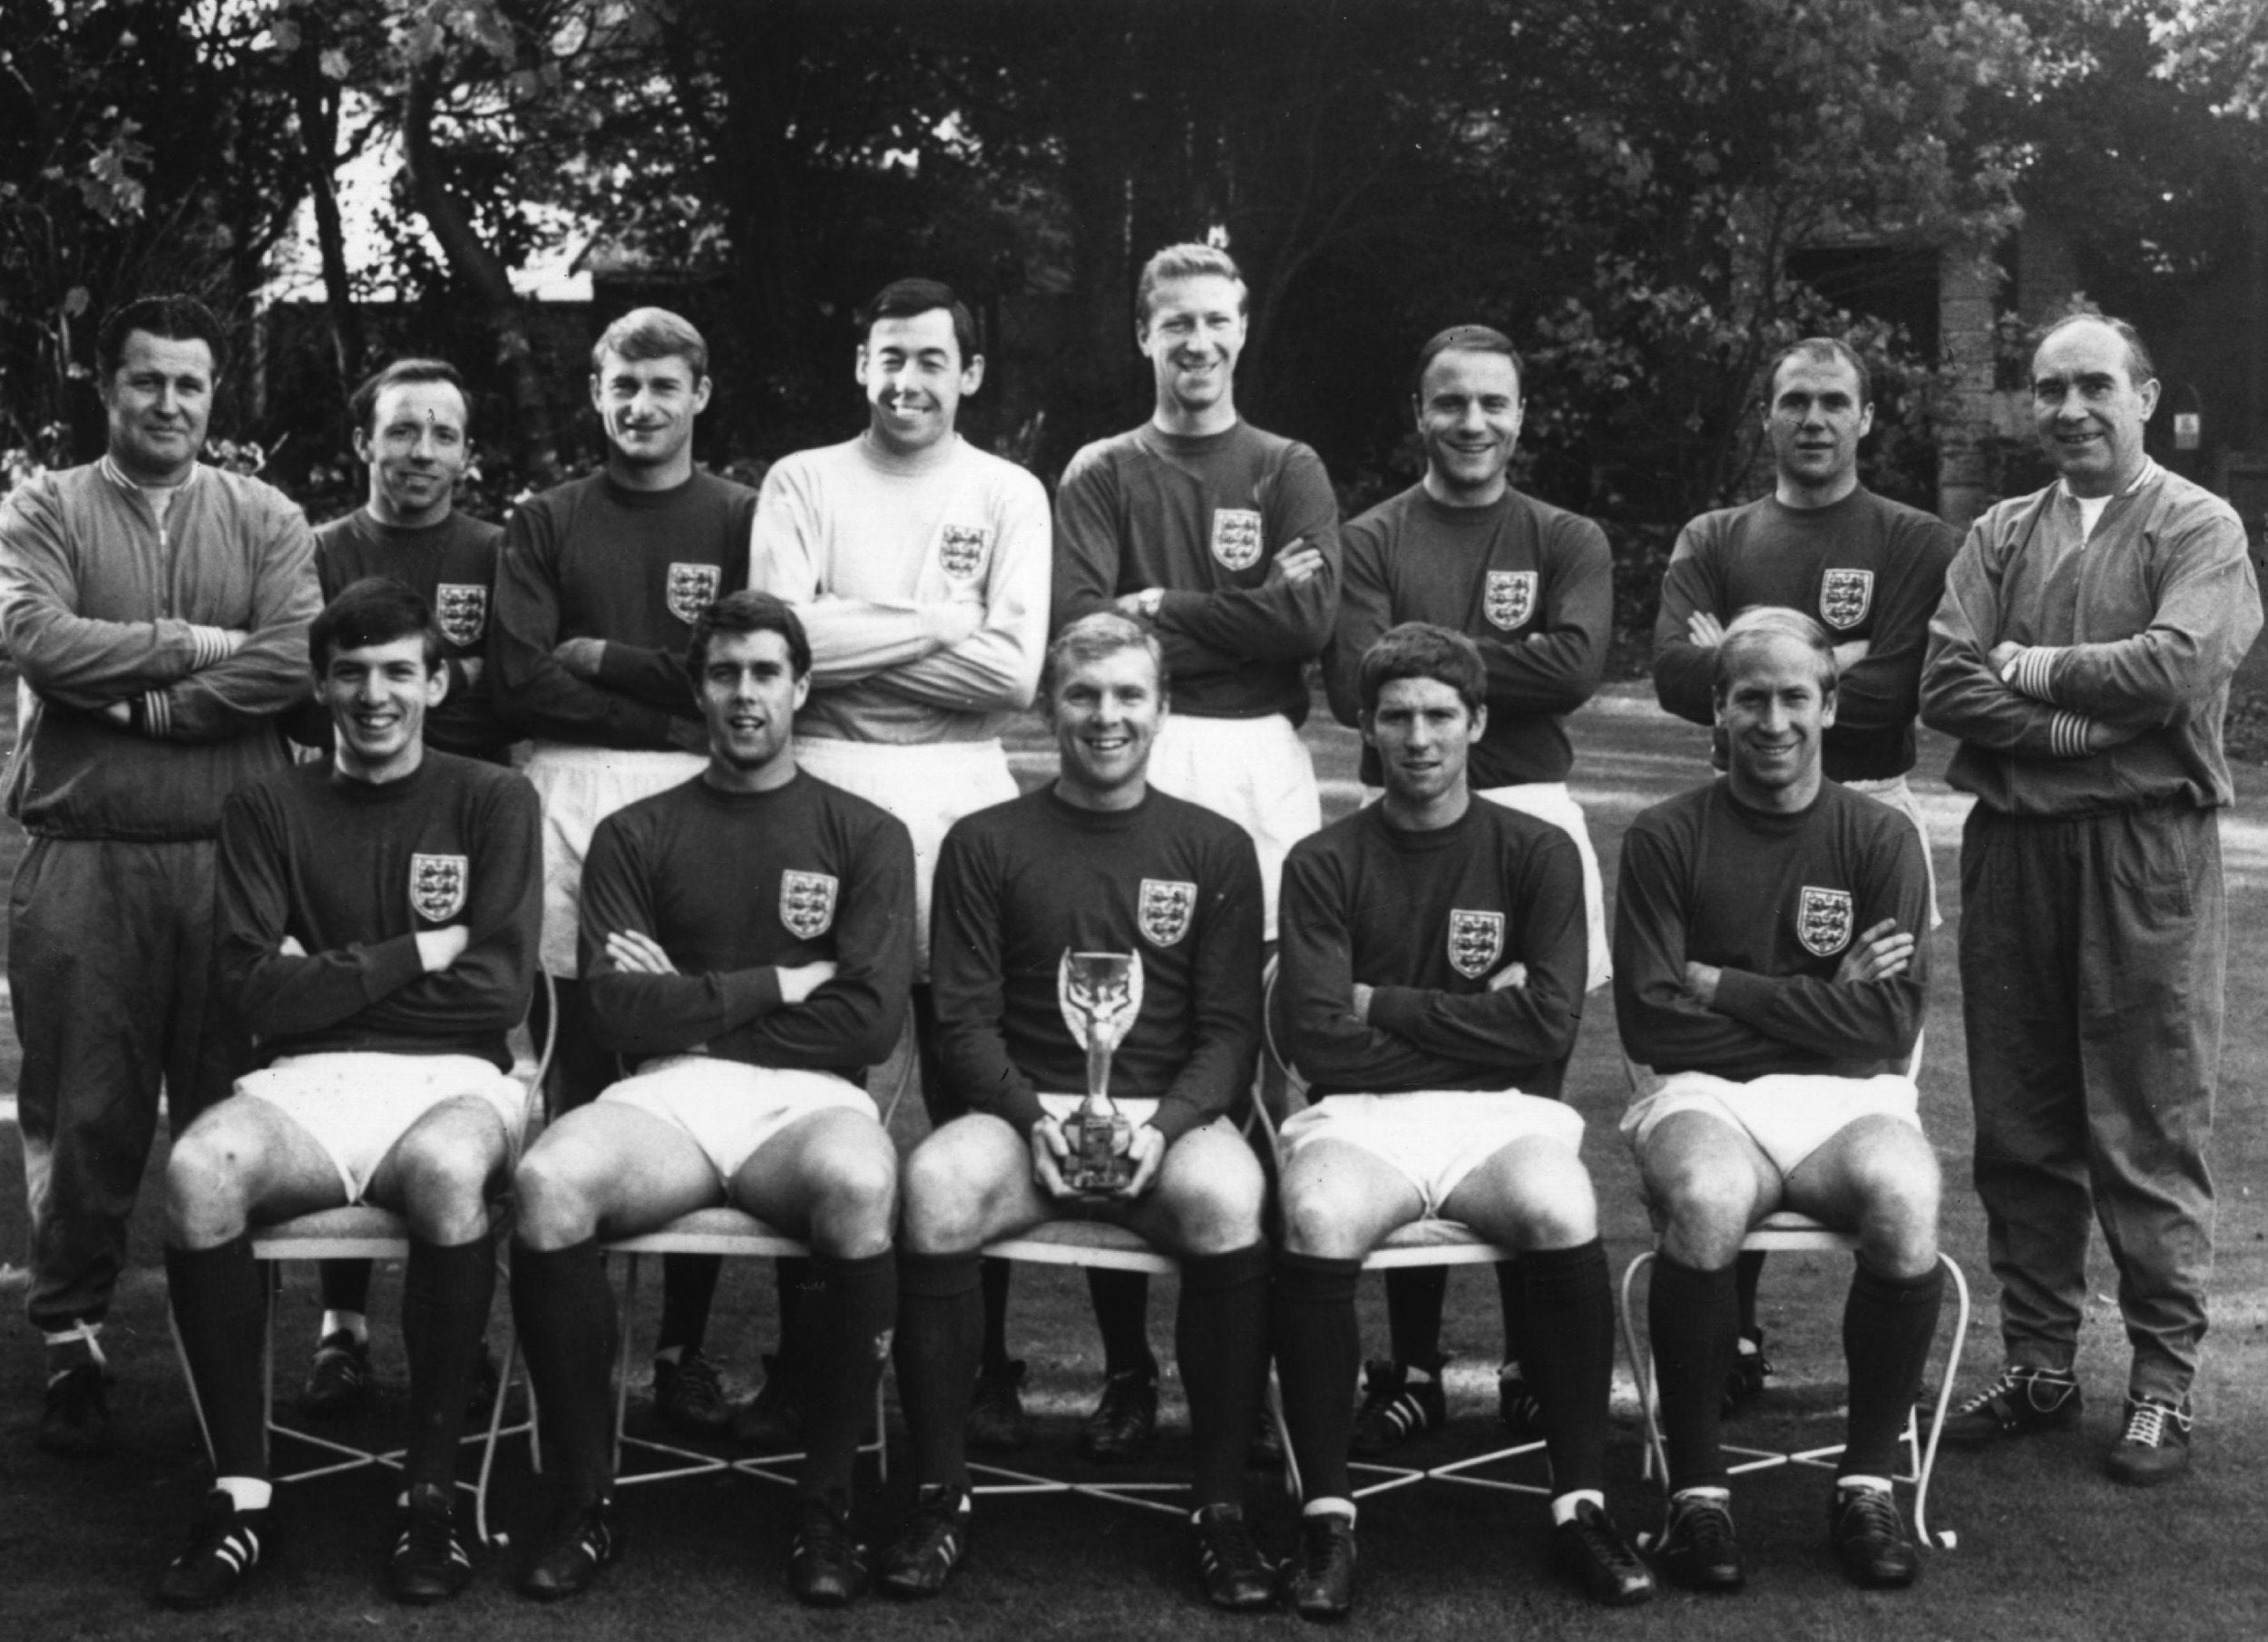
[(2035, 671), (211, 645), (2067, 734), (151, 715)]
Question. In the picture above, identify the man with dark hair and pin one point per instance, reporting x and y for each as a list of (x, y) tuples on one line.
[(410, 430), (157, 609), (1097, 866), (2082, 655), (377, 917), (747, 940), (1532, 586), (1869, 569), (1226, 539), (1771, 967), (598, 588), (919, 565), (1434, 962)]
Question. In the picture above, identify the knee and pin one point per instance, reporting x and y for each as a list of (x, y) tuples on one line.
[(854, 1196), (943, 1194), (1558, 1208), (205, 1197), (1316, 1224), (552, 1207), (442, 1176), (1899, 1210), (1706, 1215), (1217, 1213)]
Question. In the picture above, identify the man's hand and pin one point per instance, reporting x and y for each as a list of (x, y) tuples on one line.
[(800, 981), (1701, 981), (953, 622), (1849, 655), (1514, 973), (439, 948), (1360, 1002), (1141, 606), (1050, 1152), (580, 656), (1147, 1147), (1704, 630), (1881, 954), (635, 954), (291, 948), (1297, 563), (1998, 656), (119, 714)]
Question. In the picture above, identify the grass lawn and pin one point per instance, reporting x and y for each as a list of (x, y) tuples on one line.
[(2047, 1547)]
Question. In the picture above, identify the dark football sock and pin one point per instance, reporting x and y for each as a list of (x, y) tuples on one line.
[(941, 1322), (221, 1308), (1887, 1325), (565, 1312), (1221, 1341), (1414, 1297), (346, 1284), (1571, 1359), (445, 1295), (688, 1284), (1692, 1321), (1318, 1345), (996, 1276), (796, 1278), (1750, 1270), (1511, 1294), (848, 1310), (1121, 1303)]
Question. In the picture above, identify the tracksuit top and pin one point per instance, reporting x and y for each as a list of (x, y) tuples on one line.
[(1531, 584), (1864, 567), (2138, 627), (355, 872), (1775, 901), (1426, 919), (451, 566), (736, 886), (1203, 518), (1023, 882), (592, 560), (101, 601), (860, 549)]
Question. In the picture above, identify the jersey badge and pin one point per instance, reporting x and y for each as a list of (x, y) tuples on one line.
[(462, 609), (1845, 598), (437, 885), (1510, 599), (1823, 920), (963, 549), (1476, 941), (807, 903), (692, 589), (1167, 905), (1236, 537)]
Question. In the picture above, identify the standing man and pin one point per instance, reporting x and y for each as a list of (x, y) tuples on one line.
[(1096, 863), (1227, 538), (378, 916), (919, 566), (411, 420), (1435, 957), (1869, 569), (601, 583), (1532, 586), (747, 940), (158, 610), (2082, 655), (1771, 963)]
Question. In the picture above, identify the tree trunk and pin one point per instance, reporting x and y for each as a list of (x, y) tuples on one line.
[(317, 102)]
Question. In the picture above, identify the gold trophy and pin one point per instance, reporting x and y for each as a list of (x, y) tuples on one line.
[(1100, 994)]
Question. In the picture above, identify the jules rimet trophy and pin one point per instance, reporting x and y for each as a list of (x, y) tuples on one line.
[(1100, 994)]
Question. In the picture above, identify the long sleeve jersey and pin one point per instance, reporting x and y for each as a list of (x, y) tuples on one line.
[(1529, 583), (1023, 882), (354, 873), (735, 887), (1203, 518), (592, 560), (1426, 919), (1774, 901), (451, 566), (103, 600), (2137, 627), (871, 558), (1865, 568)]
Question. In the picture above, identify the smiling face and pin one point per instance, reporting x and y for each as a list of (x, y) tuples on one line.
[(159, 402), (1814, 423), (1192, 335), (1773, 710), (1423, 733), (648, 407), (749, 693), (1468, 414), (913, 374), (2089, 410), (377, 695), (416, 450), (1105, 712)]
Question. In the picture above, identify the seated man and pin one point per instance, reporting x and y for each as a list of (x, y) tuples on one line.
[(377, 918), (1768, 962), (1434, 962), (1096, 863), (746, 940)]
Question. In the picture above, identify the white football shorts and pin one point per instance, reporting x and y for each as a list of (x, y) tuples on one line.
[(730, 1109), (1788, 1115), (356, 1104), (1433, 1138)]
